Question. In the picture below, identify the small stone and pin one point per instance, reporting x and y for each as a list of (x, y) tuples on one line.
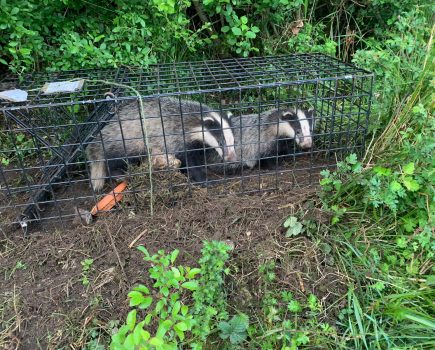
[(230, 244)]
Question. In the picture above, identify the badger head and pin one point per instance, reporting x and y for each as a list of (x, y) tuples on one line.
[(215, 132), (298, 124)]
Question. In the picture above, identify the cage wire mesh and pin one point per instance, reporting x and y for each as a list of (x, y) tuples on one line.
[(49, 143)]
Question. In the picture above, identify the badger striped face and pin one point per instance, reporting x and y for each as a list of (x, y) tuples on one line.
[(301, 121), (216, 132)]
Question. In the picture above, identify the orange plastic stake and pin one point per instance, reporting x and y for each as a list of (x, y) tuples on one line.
[(110, 200)]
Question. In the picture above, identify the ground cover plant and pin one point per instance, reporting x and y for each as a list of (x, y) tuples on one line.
[(347, 265)]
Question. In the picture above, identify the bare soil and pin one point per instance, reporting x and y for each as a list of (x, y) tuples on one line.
[(45, 305)]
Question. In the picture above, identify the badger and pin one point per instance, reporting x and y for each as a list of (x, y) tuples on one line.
[(260, 138), (187, 130)]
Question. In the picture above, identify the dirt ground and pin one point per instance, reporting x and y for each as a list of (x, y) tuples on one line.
[(45, 304)]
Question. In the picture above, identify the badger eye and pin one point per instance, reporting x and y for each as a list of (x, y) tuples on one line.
[(298, 132)]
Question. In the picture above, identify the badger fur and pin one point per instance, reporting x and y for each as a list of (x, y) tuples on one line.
[(262, 137), (192, 131)]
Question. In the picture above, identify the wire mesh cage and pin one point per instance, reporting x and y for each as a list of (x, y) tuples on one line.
[(223, 126)]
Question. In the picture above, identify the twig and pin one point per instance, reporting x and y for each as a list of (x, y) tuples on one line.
[(133, 242), (301, 282)]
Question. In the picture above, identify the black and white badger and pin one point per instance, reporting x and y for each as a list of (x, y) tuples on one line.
[(187, 130), (264, 137)]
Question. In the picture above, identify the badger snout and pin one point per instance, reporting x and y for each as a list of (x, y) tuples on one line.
[(230, 154), (304, 142)]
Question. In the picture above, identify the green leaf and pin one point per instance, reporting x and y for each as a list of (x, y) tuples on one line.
[(410, 183), (143, 250), (255, 29), (176, 309), (146, 302), (169, 346), (119, 337), (135, 298), (163, 328), (335, 219), (294, 306), (176, 272), (250, 35), (181, 326), (174, 255), (225, 29), (131, 319), (184, 310), (409, 168), (25, 52), (148, 319), (352, 159), (157, 342), (240, 322), (237, 338), (235, 329), (193, 272), (129, 342), (244, 19), (291, 220), (225, 329), (15, 10), (142, 288), (430, 280), (302, 339), (236, 31), (137, 333), (98, 38), (395, 186), (159, 305), (164, 291), (180, 334), (294, 227), (191, 285), (382, 171)]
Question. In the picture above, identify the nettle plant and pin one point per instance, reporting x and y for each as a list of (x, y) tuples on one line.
[(289, 323), (165, 305)]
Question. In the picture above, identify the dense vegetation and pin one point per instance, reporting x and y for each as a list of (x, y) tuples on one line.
[(382, 207)]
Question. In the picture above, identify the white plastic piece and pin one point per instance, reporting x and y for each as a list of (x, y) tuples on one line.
[(15, 95), (62, 86)]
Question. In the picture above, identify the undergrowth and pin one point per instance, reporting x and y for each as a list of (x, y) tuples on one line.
[(178, 309), (381, 232), (383, 212)]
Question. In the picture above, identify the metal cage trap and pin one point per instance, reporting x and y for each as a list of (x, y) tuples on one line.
[(229, 126)]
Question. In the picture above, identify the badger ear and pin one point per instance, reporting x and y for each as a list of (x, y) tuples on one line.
[(311, 109), (230, 115), (289, 114)]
